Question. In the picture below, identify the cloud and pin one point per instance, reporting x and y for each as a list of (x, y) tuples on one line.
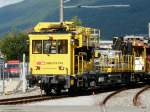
[(65, 1), (4, 3)]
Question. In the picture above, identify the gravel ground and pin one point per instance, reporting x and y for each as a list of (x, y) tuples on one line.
[(121, 102), (30, 92), (68, 109), (122, 99)]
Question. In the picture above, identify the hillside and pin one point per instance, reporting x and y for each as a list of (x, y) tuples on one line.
[(23, 15), (112, 21)]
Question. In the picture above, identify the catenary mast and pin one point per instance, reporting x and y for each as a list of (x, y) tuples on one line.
[(61, 11)]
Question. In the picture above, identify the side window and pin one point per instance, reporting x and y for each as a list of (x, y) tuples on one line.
[(62, 46), (37, 46)]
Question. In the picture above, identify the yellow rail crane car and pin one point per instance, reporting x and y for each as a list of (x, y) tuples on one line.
[(61, 55)]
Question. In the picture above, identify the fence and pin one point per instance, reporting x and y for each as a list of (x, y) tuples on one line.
[(7, 76)]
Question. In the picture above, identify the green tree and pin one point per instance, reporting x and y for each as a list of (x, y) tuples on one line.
[(13, 45), (76, 20)]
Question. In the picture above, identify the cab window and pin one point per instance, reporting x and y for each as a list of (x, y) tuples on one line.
[(37, 46), (49, 47)]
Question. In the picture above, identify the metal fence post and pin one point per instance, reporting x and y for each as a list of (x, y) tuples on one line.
[(2, 72)]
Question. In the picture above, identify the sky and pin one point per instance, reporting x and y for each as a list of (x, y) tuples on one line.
[(8, 2)]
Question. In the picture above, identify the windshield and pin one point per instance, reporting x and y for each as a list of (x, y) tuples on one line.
[(50, 46), (55, 47)]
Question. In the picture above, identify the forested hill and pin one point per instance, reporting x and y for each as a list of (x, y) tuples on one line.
[(113, 21)]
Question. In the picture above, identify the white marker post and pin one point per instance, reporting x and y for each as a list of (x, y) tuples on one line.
[(24, 84)]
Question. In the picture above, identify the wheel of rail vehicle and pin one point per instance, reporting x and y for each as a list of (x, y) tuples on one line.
[(72, 91), (47, 92), (55, 91), (52, 91)]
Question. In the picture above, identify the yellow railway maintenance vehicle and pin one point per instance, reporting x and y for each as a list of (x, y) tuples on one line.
[(61, 56), (67, 57)]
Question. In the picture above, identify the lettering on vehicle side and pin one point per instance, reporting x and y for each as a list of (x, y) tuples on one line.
[(54, 63), (49, 63)]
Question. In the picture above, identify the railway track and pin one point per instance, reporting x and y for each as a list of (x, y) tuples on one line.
[(103, 103), (136, 98), (29, 99)]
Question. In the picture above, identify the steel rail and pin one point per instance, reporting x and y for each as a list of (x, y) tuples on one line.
[(28, 99), (111, 95), (136, 98)]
